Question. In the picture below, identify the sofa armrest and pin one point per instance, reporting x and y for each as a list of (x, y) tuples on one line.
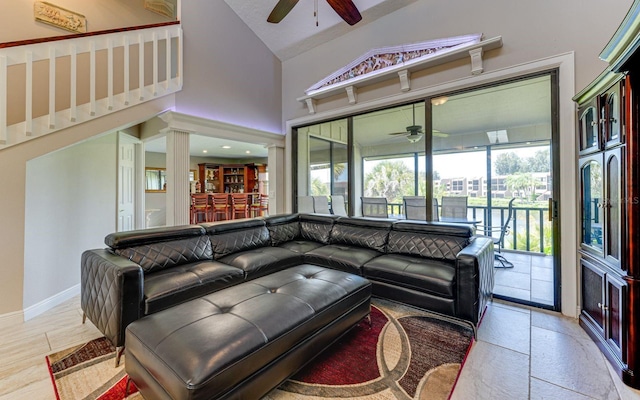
[(111, 292), (474, 278)]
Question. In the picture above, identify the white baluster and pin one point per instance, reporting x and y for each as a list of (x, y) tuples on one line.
[(168, 59), (73, 79), (92, 77), (3, 100), (127, 94), (141, 65), (28, 103), (52, 87), (155, 63), (110, 74)]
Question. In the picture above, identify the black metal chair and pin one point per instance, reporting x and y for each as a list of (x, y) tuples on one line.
[(499, 240)]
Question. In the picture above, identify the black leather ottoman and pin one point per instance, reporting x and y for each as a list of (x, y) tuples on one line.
[(243, 341)]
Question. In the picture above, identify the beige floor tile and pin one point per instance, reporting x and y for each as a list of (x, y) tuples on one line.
[(560, 359), (484, 377), (507, 328), (541, 390)]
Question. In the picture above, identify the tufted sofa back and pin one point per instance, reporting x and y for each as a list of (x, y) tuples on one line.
[(234, 236), (429, 239), (158, 248), (317, 227), (361, 232), (283, 228)]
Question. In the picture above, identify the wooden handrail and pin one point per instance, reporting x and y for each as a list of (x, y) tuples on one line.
[(80, 35)]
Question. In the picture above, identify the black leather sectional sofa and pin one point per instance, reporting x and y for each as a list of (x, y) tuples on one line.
[(435, 266)]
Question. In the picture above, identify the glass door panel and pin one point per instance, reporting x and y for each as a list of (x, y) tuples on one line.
[(484, 151), (592, 214)]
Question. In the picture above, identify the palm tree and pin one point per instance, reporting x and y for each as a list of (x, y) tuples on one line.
[(389, 179)]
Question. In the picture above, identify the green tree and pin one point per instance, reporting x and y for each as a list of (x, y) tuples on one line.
[(508, 163), (389, 179), (319, 188), (522, 184), (539, 162)]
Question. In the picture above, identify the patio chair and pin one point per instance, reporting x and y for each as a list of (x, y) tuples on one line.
[(436, 210), (454, 207), (498, 241), (305, 204), (337, 206), (321, 205), (374, 207), (415, 207)]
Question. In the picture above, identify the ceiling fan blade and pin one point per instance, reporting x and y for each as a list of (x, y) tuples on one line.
[(346, 10), (437, 133), (281, 10)]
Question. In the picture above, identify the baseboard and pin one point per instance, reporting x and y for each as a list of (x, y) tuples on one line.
[(47, 304)]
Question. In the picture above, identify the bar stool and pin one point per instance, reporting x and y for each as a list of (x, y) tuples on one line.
[(240, 205), (260, 205), (200, 207), (221, 206)]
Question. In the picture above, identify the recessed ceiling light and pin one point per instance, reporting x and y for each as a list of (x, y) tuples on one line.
[(226, 147), (248, 152), (204, 151)]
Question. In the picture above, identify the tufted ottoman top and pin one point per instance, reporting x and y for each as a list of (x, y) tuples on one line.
[(208, 345)]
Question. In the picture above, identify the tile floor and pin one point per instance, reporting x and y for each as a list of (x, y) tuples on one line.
[(530, 279), (521, 353)]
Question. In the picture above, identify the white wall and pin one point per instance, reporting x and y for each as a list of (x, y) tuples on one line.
[(70, 207), (229, 74)]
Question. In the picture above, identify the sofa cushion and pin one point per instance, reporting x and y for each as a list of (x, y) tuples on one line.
[(316, 227), (234, 236), (429, 239), (283, 228), (157, 256), (300, 246), (341, 257), (263, 260), (420, 274), (175, 285), (361, 232)]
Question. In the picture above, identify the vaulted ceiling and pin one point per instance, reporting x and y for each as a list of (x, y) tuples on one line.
[(298, 32)]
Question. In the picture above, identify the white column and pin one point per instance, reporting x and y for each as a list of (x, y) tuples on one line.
[(177, 177), (275, 167)]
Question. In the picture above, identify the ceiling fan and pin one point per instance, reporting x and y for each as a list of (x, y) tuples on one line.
[(345, 9), (414, 132)]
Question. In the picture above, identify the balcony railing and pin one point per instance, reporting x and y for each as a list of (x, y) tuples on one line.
[(527, 226), (54, 83)]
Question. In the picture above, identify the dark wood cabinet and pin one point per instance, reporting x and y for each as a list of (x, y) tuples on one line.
[(228, 178), (608, 142)]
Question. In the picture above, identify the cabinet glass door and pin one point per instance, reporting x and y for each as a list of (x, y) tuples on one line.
[(592, 203), (588, 129), (612, 206), (613, 115)]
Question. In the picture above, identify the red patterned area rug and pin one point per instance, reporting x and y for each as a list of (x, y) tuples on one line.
[(406, 353)]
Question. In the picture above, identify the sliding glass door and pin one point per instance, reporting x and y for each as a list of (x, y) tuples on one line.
[(488, 145)]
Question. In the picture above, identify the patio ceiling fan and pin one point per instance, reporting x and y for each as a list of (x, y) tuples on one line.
[(414, 132), (345, 9)]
